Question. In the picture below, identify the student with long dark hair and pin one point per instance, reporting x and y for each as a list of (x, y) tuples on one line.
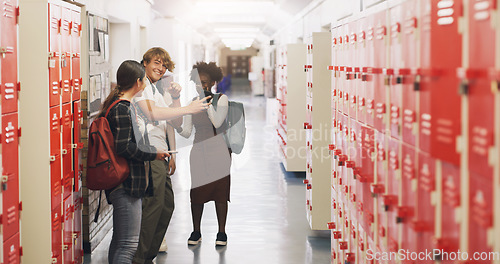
[(126, 197), (210, 157)]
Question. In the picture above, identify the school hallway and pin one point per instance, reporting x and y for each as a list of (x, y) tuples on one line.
[(266, 216)]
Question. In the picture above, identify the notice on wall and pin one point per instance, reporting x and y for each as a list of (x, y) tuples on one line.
[(99, 65)]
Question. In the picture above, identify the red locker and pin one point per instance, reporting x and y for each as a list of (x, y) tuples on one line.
[(77, 228), (396, 61), (407, 209), (56, 181), (68, 231), (379, 63), (65, 30), (360, 63), (450, 238), (341, 64), (366, 173), (55, 131), (407, 72), (481, 214), (424, 223), (8, 43), (54, 54), (482, 42), (12, 250), (77, 144), (10, 175), (379, 188), (10, 140), (76, 29), (57, 235), (440, 102), (367, 70), (390, 199), (67, 144)]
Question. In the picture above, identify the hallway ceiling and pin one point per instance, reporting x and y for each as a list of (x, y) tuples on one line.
[(235, 23)]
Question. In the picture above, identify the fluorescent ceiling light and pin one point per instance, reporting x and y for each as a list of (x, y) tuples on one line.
[(237, 19), (236, 29), (236, 35)]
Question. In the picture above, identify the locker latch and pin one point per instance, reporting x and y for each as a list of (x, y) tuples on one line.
[(463, 87), (5, 179)]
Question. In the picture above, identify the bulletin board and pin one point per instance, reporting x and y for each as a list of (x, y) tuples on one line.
[(99, 65)]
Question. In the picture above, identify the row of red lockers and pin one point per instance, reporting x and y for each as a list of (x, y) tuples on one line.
[(65, 116), (377, 110), (9, 134), (65, 160)]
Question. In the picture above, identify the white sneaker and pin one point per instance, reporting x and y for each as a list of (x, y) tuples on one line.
[(163, 246)]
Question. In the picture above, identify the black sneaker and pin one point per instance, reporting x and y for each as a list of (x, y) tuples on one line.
[(195, 238), (221, 239)]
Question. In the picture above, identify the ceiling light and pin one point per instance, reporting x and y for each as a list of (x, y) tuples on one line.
[(237, 19), (236, 29)]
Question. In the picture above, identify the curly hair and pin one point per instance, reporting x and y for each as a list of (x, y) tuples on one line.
[(160, 53), (211, 69)]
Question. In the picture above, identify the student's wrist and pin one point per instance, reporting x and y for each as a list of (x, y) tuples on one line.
[(175, 97)]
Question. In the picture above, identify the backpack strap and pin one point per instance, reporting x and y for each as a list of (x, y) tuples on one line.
[(111, 106), (215, 100)]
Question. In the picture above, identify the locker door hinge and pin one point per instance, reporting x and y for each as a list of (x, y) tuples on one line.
[(20, 206), (59, 23), (19, 86), (21, 251), (19, 132)]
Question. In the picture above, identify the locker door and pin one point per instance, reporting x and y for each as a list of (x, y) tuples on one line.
[(424, 91), (407, 209), (482, 56), (409, 81), (425, 218), (11, 250), (77, 144), (10, 175), (361, 62), (10, 140), (66, 23), (77, 228), (67, 150), (379, 189), (55, 153), (367, 70), (57, 235), (390, 200), (76, 30), (54, 54), (55, 130), (396, 62), (445, 103), (481, 213), (8, 51), (341, 63), (450, 237), (68, 231), (379, 63)]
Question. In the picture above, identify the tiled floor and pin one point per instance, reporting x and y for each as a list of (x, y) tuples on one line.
[(266, 219)]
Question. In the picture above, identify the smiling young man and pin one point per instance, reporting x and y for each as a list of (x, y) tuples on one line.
[(157, 210)]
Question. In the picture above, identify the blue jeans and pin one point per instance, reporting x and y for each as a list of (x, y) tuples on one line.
[(126, 227)]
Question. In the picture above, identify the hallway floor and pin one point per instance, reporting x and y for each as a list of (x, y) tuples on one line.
[(266, 219)]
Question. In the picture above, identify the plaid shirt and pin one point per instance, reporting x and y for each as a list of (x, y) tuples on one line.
[(125, 132)]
